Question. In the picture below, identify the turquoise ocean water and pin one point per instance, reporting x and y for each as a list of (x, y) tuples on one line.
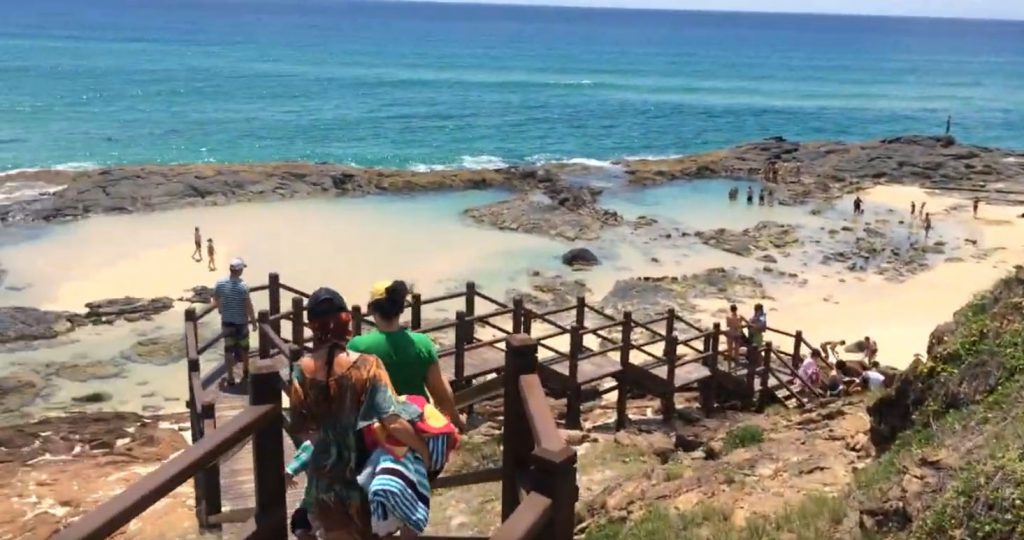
[(99, 82)]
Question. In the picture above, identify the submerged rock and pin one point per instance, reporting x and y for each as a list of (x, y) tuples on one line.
[(560, 211), (158, 351), (93, 397), (89, 371), (19, 389)]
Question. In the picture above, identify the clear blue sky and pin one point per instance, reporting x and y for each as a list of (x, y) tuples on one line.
[(989, 9)]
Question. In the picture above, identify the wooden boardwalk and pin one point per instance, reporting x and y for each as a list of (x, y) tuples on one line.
[(238, 488)]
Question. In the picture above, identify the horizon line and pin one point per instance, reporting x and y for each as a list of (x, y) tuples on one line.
[(554, 4)]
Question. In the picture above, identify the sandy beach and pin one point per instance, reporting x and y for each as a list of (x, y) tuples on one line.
[(349, 243)]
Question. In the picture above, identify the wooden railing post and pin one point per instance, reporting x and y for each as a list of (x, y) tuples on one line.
[(555, 474), (271, 512), (460, 345), (416, 312), (766, 368), (712, 363), (798, 341), (574, 394), (668, 402), (520, 359), (527, 321), (470, 309), (192, 357), (581, 311), (263, 317), (752, 364), (621, 419), (357, 320), (274, 296), (517, 315), (298, 322), (209, 479)]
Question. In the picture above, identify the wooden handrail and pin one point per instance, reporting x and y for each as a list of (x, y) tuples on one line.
[(786, 386), (690, 324), (493, 326), (603, 327), (282, 315), (528, 520), (438, 327), (539, 415), (491, 299), (275, 340), (482, 476), (204, 312), (593, 353), (484, 316), (211, 342), (549, 312), (293, 290), (136, 498), (598, 311), (258, 288), (442, 298), (780, 332)]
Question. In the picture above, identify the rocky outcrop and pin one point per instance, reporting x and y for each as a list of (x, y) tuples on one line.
[(90, 370), (88, 459), (557, 210), (650, 297), (828, 169), (580, 257), (765, 236), (130, 189), (27, 324), (127, 308), (968, 359), (200, 294), (548, 291)]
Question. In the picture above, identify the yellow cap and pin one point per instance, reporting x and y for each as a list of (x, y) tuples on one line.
[(379, 290)]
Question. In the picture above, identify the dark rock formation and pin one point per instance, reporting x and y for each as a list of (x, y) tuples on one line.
[(764, 236), (560, 211), (89, 371), (93, 397), (200, 294), (650, 297), (128, 308), (26, 323), (580, 257), (829, 169), (130, 189)]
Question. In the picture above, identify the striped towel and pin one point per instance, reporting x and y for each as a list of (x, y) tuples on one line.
[(398, 491)]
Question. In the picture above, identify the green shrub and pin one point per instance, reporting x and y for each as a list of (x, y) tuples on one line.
[(742, 437)]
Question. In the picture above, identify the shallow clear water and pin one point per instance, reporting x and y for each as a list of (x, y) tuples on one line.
[(417, 85)]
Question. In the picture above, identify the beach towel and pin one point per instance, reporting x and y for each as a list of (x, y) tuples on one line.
[(396, 479)]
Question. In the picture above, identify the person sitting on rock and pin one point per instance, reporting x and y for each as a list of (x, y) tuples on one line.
[(410, 357), (810, 374)]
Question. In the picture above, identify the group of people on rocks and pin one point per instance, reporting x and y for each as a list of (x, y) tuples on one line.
[(775, 170), (763, 196), (377, 415), (844, 376)]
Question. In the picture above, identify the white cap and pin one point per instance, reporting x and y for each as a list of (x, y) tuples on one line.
[(237, 263)]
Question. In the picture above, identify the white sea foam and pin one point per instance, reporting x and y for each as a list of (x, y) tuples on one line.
[(71, 166), (23, 191), (592, 163), (583, 82), (482, 162), (1013, 159)]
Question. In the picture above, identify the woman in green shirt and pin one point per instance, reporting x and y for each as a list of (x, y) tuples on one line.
[(409, 357)]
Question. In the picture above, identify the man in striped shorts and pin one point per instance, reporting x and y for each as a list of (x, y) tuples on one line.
[(231, 299)]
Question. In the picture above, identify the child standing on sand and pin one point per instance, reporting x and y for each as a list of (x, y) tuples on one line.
[(210, 252)]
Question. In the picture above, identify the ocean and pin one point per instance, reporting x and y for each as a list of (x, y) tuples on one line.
[(417, 85)]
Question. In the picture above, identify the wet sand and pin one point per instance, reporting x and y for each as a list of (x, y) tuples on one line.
[(349, 243)]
